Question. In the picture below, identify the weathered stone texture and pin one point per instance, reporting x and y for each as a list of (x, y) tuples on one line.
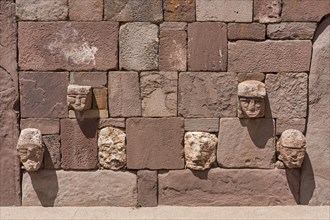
[(93, 79), (68, 45), (201, 124), (291, 30), (207, 94), (91, 113), (41, 10), (287, 94), (147, 188), (79, 144), (74, 188), (43, 94), (207, 46), (133, 10), (267, 11), (159, 93), (269, 56), (124, 94), (283, 124), (52, 155), (45, 125), (113, 122), (173, 26), (85, 10), (248, 31), (138, 46), (100, 98), (246, 143), (224, 10), (154, 143), (250, 76), (230, 187), (179, 10)]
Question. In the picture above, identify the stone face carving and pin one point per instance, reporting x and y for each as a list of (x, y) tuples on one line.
[(112, 148), (291, 148), (79, 97), (30, 149), (251, 99), (200, 150)]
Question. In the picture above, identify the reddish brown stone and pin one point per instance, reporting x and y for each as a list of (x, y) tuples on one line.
[(291, 30), (100, 98), (207, 46), (93, 79), (287, 123), (267, 11), (52, 154), (45, 125), (248, 31), (250, 76), (201, 124), (79, 143), (68, 45), (154, 143), (85, 10), (147, 188), (179, 10), (113, 122)]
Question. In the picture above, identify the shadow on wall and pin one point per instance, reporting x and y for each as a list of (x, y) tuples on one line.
[(307, 178)]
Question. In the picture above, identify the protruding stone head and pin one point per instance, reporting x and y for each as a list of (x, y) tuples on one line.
[(112, 148), (30, 149), (291, 148), (79, 97), (251, 99), (200, 150)]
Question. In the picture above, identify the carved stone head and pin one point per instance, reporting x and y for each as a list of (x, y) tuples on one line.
[(112, 148), (251, 99), (200, 150), (30, 149), (79, 97), (291, 148)]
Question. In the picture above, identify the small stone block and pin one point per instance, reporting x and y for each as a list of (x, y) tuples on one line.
[(291, 30), (113, 122), (85, 10), (93, 79), (283, 124), (147, 188), (267, 11), (92, 113), (250, 76), (52, 154), (45, 125), (173, 26), (179, 10), (246, 31), (201, 124), (100, 98)]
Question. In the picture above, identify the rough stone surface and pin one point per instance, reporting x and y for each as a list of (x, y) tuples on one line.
[(43, 94), (138, 46), (45, 125), (179, 10), (93, 79), (201, 124), (159, 93), (41, 10), (200, 150), (250, 76), (246, 143), (114, 122), (230, 187), (112, 148), (246, 31), (154, 143), (305, 10), (269, 56), (52, 155), (79, 97), (68, 45), (207, 46), (267, 11), (147, 188), (91, 113), (173, 26), (85, 10), (133, 10), (100, 98), (283, 124), (291, 30), (224, 10), (287, 94), (77, 188), (207, 94), (124, 94), (79, 144)]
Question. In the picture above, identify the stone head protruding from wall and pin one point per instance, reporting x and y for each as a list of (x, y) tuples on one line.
[(79, 97)]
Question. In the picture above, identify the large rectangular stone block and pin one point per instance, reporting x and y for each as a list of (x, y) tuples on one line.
[(79, 188), (291, 30), (45, 125)]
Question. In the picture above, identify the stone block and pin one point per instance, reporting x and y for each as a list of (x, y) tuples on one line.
[(287, 94), (291, 31), (124, 94), (224, 10), (246, 143), (173, 26), (138, 46), (269, 56), (179, 10), (201, 124), (93, 79), (267, 11), (283, 124), (250, 76), (79, 144), (41, 10), (43, 94), (159, 94), (68, 46), (209, 94), (158, 139), (52, 154), (229, 187), (91, 113), (113, 122), (207, 46), (246, 31), (85, 10), (45, 125), (100, 98), (79, 188), (147, 188)]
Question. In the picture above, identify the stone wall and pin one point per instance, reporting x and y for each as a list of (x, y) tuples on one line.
[(163, 78)]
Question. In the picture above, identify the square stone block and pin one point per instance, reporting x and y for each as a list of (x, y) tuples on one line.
[(267, 11), (179, 10)]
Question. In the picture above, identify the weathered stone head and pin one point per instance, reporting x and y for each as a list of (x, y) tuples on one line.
[(291, 148), (200, 150), (30, 149), (79, 97), (251, 99), (112, 148)]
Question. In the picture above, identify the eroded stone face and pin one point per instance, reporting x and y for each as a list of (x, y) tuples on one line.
[(79, 97), (30, 149), (112, 148), (200, 150), (291, 148)]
